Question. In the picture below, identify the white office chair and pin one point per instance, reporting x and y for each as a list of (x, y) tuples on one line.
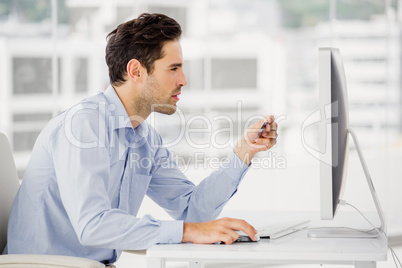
[(9, 185)]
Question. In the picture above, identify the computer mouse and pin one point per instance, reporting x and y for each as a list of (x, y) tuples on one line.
[(246, 238)]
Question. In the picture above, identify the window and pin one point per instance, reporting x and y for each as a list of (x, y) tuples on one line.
[(19, 117), (24, 140), (232, 73), (81, 75), (33, 75), (194, 71)]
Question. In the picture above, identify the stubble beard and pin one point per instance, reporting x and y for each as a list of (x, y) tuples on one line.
[(151, 102)]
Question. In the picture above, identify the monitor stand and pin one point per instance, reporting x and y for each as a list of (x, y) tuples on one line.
[(341, 232), (345, 232)]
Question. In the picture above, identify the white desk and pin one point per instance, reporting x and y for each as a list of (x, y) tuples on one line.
[(291, 249)]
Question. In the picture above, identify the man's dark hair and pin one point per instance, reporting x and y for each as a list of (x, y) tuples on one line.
[(142, 39)]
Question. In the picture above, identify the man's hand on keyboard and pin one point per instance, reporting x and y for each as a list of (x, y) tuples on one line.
[(221, 230)]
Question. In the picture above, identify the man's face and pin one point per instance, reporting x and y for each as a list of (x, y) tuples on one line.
[(163, 87)]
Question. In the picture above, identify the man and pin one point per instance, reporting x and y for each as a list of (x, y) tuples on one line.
[(81, 191)]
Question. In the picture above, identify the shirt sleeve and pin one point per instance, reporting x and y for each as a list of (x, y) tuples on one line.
[(170, 188), (82, 167)]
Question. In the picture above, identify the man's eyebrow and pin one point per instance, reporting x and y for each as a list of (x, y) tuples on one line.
[(176, 65)]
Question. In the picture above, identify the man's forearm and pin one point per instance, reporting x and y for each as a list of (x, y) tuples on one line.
[(243, 152), (212, 193)]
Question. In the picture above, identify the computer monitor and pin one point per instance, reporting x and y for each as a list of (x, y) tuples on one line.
[(334, 137), (333, 133)]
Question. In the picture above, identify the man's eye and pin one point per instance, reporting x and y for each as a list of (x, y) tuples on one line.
[(174, 69)]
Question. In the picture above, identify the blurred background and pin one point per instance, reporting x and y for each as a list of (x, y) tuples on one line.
[(243, 59)]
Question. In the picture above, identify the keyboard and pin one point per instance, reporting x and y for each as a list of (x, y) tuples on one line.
[(275, 230), (279, 229)]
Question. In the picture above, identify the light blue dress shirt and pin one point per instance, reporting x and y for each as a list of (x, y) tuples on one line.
[(87, 176)]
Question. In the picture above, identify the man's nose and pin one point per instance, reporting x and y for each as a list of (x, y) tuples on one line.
[(182, 81)]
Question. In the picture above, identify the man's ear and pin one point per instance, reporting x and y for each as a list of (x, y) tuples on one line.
[(134, 69)]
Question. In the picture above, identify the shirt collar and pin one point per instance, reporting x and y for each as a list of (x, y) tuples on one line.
[(116, 108)]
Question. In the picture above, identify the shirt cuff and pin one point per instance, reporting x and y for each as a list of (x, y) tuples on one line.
[(234, 167), (234, 164), (171, 232)]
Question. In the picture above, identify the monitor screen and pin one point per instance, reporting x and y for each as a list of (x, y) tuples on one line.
[(333, 134), (333, 139)]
